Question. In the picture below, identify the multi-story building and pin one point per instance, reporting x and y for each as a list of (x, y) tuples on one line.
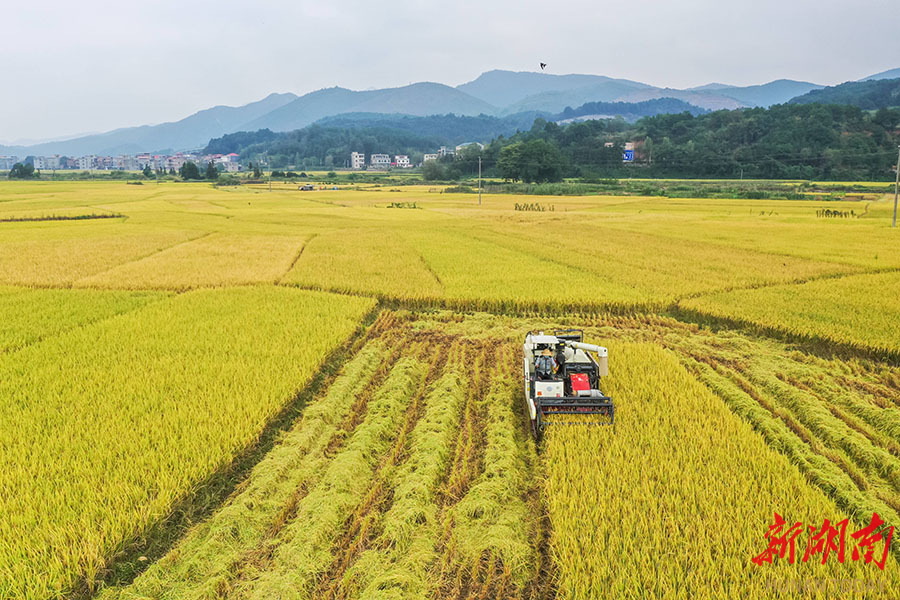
[(175, 162), (86, 162), (428, 157), (127, 163), (401, 161), (229, 163), (380, 161), (53, 162), (445, 151), (357, 160), (7, 162)]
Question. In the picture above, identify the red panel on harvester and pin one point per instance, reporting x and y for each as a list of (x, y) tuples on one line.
[(579, 382)]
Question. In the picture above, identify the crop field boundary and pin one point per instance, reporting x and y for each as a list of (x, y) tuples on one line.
[(509, 308), (721, 244), (210, 494), (799, 281), (134, 260), (87, 323), (811, 344), (90, 217), (822, 347), (296, 258)]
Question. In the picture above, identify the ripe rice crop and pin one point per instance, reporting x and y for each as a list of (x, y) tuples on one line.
[(773, 230), (58, 253), (859, 310), (412, 487), (119, 420), (481, 274), (30, 315), (664, 269), (210, 556), (675, 501), (368, 261), (217, 259)]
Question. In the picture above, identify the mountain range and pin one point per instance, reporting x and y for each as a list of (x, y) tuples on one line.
[(497, 93)]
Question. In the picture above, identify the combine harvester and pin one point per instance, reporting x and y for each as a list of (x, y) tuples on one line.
[(562, 377)]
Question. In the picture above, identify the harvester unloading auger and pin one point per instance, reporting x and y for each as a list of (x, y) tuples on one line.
[(562, 377)]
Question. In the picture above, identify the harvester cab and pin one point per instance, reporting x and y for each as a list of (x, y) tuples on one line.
[(562, 377)]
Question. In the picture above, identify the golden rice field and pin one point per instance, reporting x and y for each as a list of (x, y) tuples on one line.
[(414, 476), (238, 393)]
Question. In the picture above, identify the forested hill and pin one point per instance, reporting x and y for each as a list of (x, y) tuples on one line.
[(870, 94), (450, 129), (630, 111), (788, 141)]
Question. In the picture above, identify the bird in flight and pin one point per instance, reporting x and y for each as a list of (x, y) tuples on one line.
[(543, 65)]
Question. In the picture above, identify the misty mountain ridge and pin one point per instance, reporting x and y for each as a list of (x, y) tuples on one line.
[(496, 93), (868, 94), (890, 74), (418, 99), (191, 132), (508, 88)]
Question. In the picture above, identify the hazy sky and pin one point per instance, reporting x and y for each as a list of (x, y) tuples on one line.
[(82, 66)]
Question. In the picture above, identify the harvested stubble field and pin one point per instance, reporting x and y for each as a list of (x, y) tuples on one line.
[(250, 394)]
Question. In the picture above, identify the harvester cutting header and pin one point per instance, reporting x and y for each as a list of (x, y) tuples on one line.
[(562, 377)]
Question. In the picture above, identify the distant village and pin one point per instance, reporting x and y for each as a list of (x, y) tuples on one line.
[(228, 163), (137, 162)]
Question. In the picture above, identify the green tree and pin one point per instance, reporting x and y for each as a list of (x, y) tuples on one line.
[(534, 161), (887, 117), (147, 172), (211, 172), (432, 171), (189, 171), (22, 171), (509, 161)]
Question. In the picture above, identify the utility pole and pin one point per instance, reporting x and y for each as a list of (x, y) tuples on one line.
[(479, 186), (896, 187)]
